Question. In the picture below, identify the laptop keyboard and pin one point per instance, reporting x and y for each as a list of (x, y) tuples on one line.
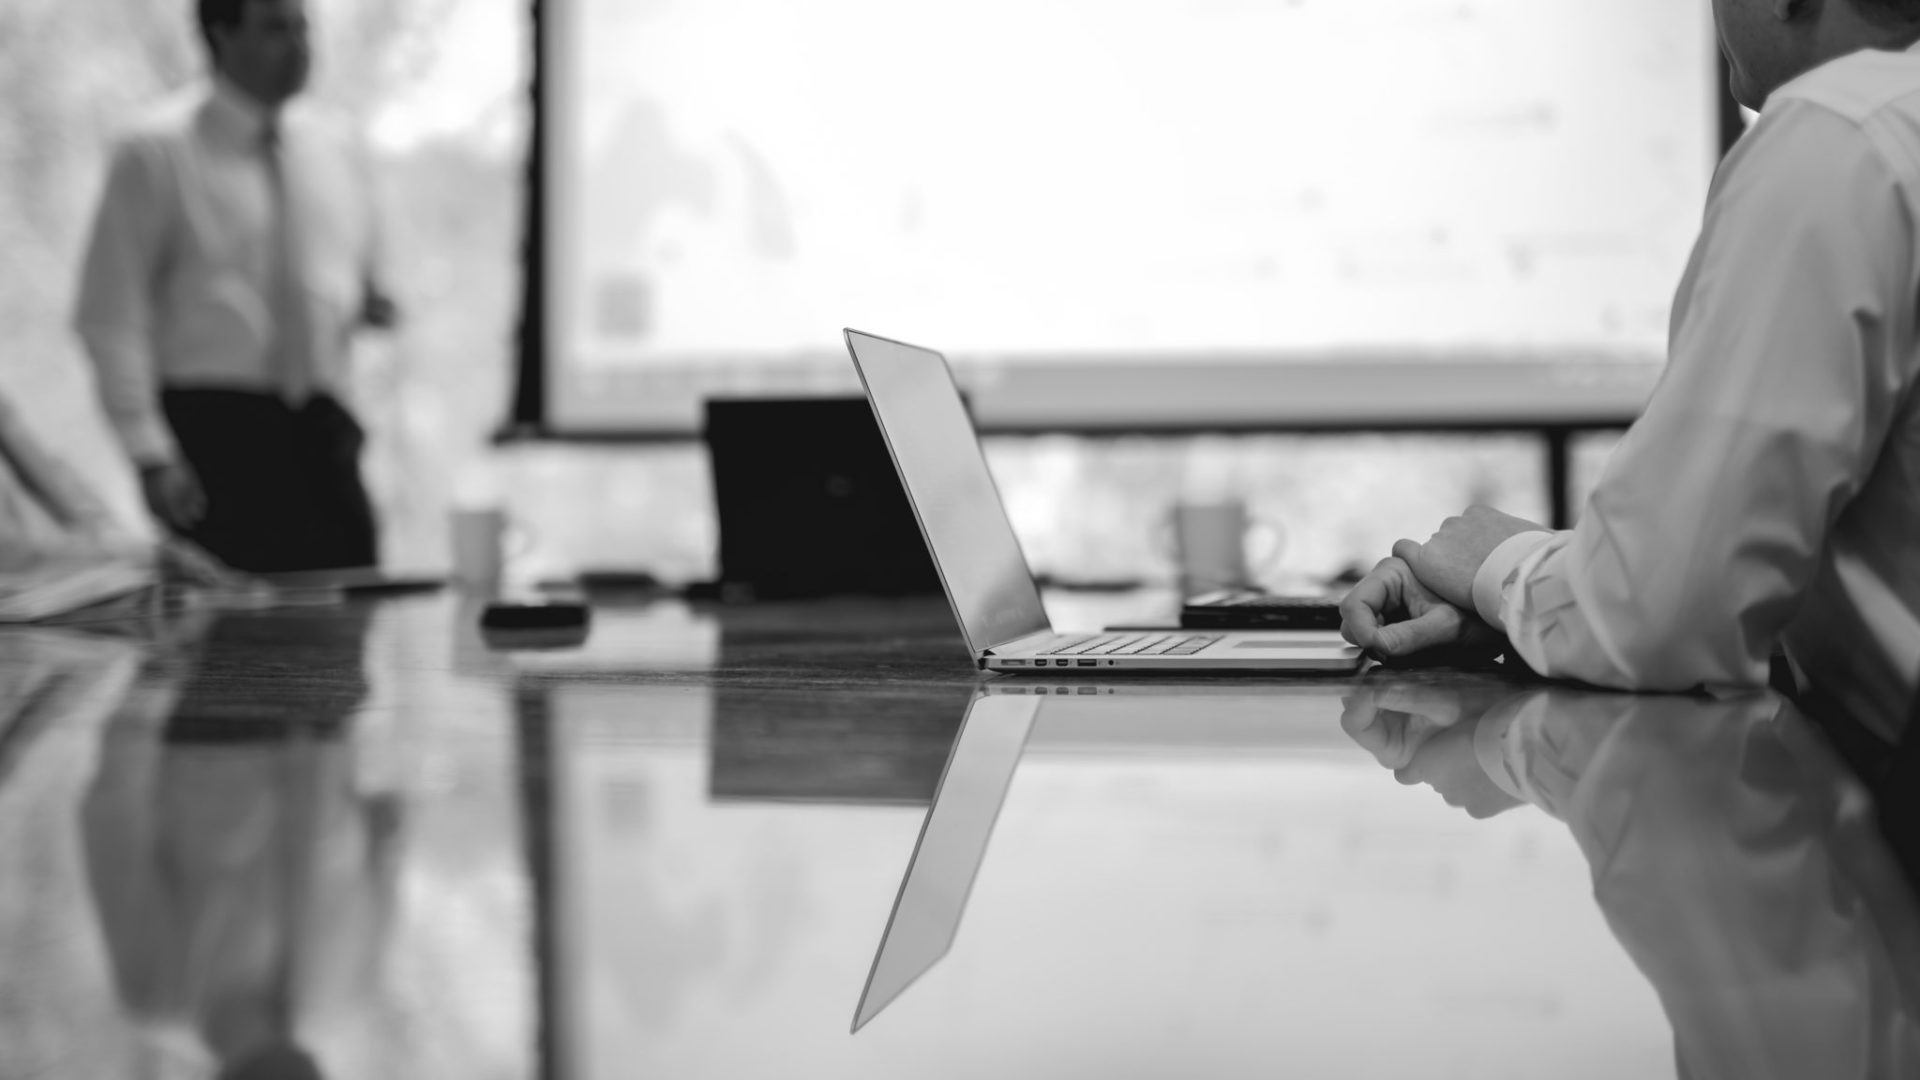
[(1132, 645)]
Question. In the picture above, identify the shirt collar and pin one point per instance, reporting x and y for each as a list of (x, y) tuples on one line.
[(238, 116)]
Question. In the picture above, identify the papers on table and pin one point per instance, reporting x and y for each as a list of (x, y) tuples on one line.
[(57, 586)]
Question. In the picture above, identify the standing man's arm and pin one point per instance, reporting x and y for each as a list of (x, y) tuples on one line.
[(114, 317), (378, 309), (1789, 356)]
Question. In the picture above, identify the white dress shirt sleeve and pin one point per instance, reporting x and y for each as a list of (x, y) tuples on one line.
[(1783, 380), (114, 309), (1497, 572)]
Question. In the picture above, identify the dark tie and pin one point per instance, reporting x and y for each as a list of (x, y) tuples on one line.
[(290, 353)]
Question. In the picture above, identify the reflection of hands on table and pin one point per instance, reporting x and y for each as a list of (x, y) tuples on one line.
[(1449, 765), (1386, 723), (1425, 734)]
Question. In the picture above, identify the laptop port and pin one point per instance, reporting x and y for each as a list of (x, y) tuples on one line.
[(1039, 663), (1088, 663), (1014, 663)]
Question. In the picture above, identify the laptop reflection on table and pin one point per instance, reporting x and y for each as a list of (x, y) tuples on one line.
[(1005, 718), (952, 842)]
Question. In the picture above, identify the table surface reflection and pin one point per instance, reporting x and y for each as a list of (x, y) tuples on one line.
[(360, 840)]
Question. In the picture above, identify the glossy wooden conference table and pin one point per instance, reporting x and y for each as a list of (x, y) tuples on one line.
[(362, 831)]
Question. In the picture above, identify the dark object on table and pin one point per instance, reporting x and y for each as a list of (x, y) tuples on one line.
[(1249, 609), (810, 504), (361, 580), (535, 613), (551, 638), (536, 621), (624, 582)]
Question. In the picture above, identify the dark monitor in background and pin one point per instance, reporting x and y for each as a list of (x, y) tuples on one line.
[(809, 503)]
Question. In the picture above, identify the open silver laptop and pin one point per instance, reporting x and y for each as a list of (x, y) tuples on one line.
[(982, 568)]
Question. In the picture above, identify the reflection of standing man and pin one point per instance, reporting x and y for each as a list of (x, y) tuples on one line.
[(243, 866), (231, 259)]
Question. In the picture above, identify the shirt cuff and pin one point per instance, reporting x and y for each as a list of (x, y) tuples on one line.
[(1492, 575), (148, 442)]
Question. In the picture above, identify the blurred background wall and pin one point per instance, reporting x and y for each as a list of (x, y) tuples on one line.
[(438, 86)]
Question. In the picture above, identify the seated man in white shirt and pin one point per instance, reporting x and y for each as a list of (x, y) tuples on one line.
[(1770, 493), (232, 258)]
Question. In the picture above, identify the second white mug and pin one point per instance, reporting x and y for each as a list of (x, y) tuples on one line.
[(484, 540), (1210, 540)]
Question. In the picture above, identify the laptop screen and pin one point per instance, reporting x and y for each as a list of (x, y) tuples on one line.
[(938, 455)]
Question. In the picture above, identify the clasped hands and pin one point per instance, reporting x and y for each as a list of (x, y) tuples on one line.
[(1420, 599)]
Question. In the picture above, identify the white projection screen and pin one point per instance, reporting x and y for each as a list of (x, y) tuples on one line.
[(1159, 213)]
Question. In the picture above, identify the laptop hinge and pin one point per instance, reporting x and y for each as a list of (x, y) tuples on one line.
[(1016, 643)]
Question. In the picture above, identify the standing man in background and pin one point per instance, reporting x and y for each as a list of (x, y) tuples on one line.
[(1770, 493), (232, 258)]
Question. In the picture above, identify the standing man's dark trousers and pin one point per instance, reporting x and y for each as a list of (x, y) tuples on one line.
[(283, 484)]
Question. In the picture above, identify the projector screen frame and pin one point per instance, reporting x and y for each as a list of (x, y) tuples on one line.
[(1547, 393)]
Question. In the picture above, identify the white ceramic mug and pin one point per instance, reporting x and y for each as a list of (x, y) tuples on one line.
[(484, 541), (1209, 542)]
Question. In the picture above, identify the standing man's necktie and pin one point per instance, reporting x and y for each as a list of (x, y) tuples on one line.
[(291, 349)]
